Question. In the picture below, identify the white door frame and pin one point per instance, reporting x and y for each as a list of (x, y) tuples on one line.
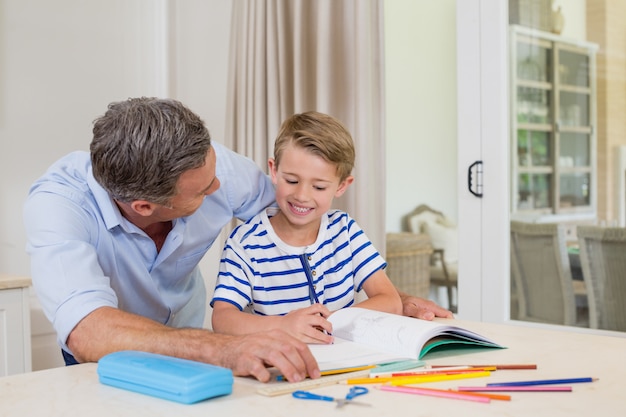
[(482, 76)]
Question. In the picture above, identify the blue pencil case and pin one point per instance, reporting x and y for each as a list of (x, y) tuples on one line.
[(166, 377)]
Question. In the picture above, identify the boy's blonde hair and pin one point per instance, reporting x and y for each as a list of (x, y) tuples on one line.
[(320, 134)]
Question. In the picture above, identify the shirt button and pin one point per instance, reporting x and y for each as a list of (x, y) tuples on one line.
[(313, 272)]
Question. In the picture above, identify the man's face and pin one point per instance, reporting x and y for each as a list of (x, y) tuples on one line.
[(193, 186)]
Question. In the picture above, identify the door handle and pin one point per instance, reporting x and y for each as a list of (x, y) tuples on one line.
[(478, 167)]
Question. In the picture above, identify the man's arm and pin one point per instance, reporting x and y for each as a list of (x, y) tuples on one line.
[(107, 330), (421, 308)]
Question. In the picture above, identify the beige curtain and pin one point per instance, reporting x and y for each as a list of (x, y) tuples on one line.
[(290, 56)]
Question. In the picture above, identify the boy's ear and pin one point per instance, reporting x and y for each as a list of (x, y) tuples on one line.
[(343, 186), (271, 165)]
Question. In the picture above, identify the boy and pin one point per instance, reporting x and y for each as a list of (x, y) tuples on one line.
[(293, 265)]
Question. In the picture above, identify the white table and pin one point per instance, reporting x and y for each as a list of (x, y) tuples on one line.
[(75, 391)]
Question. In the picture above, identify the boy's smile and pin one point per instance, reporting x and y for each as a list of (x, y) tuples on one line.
[(306, 185)]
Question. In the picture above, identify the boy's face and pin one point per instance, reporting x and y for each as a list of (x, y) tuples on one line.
[(305, 185)]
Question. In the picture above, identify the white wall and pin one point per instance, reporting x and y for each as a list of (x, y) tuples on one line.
[(575, 18), (61, 62), (420, 59)]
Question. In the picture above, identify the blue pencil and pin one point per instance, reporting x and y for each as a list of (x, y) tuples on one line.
[(541, 382)]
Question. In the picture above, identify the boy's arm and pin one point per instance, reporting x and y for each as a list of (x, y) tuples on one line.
[(308, 325), (381, 293)]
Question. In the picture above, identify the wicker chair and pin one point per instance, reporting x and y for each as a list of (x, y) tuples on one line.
[(408, 256), (603, 260), (541, 273), (443, 263)]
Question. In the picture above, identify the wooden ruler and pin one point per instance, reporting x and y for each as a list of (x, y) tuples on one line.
[(280, 388)]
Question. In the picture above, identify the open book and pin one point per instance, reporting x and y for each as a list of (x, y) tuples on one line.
[(368, 336)]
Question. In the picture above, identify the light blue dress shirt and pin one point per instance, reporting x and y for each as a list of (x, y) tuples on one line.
[(86, 255)]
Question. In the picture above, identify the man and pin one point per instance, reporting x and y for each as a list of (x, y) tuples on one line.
[(115, 237)]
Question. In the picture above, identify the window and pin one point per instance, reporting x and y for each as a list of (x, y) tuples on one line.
[(552, 124)]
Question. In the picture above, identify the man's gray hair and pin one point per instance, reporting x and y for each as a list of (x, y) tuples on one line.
[(141, 146)]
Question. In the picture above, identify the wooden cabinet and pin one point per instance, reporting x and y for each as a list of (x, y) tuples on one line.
[(553, 118), (15, 351)]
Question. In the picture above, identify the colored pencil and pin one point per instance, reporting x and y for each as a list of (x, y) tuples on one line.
[(436, 393), (443, 371), (498, 367), (541, 382), (375, 373), (500, 397), (403, 380), (346, 370), (536, 388)]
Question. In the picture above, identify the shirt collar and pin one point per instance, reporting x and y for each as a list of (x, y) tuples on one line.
[(110, 212)]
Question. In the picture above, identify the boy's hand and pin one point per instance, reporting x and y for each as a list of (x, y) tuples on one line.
[(309, 324)]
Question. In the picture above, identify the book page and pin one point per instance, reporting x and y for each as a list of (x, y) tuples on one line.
[(346, 354), (387, 332), (395, 334)]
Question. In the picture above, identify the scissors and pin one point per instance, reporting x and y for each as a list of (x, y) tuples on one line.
[(354, 392)]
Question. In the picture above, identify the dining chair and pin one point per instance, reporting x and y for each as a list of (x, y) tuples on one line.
[(408, 260), (541, 273), (603, 261)]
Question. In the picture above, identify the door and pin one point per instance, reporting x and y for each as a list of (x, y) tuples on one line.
[(581, 145), (483, 136)]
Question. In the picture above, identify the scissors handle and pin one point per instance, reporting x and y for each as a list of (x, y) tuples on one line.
[(355, 392), (305, 395)]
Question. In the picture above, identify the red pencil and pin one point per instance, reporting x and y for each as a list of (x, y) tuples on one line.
[(502, 366), (535, 388)]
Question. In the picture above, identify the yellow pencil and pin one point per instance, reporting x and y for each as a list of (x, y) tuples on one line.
[(417, 379), (435, 378), (346, 370)]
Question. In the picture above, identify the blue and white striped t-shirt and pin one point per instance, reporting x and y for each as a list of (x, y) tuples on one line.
[(263, 273)]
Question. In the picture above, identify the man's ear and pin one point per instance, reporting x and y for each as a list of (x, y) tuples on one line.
[(343, 186), (143, 207)]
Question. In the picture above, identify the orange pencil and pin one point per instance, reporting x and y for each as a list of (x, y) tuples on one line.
[(449, 393)]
